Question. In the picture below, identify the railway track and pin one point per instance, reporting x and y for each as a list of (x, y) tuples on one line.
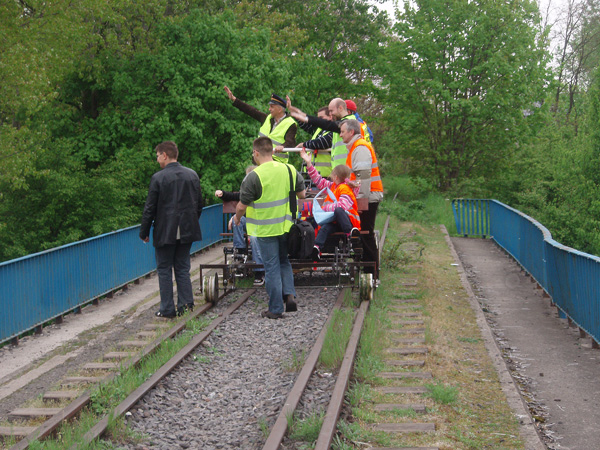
[(272, 352)]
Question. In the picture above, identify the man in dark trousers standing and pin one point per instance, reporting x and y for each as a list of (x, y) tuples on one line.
[(174, 205)]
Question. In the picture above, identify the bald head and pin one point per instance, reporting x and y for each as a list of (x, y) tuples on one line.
[(337, 109)]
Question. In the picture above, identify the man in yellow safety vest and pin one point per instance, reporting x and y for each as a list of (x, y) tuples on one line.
[(265, 196), (320, 144), (278, 126), (339, 113)]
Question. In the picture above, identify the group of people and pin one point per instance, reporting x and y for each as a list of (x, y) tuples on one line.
[(339, 156)]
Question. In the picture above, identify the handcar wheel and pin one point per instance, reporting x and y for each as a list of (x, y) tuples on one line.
[(211, 288), (365, 286)]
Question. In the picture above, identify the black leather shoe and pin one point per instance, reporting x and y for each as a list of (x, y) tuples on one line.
[(164, 316)]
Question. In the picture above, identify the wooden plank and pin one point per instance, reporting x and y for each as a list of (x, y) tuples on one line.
[(404, 448), (34, 412), (101, 366), (119, 355), (60, 395), (408, 322), (146, 334), (404, 363), (75, 380), (133, 343), (417, 407), (407, 350), (401, 390), (16, 431), (405, 427), (404, 301), (408, 306), (409, 330), (399, 375), (404, 315), (409, 341)]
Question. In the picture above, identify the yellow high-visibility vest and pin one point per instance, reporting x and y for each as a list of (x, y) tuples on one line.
[(277, 135), (339, 151), (270, 215), (322, 159)]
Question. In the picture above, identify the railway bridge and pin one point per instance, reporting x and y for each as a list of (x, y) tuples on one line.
[(537, 304)]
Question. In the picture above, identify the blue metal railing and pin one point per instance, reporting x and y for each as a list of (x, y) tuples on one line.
[(471, 217), (39, 287), (570, 277)]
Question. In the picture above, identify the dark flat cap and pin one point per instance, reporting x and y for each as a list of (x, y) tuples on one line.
[(277, 100)]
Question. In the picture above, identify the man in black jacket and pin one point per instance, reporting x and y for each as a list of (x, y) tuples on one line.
[(174, 204)]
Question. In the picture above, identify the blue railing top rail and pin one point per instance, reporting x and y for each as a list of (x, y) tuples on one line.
[(72, 244), (547, 235)]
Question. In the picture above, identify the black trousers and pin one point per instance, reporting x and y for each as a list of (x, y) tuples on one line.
[(367, 223), (169, 259)]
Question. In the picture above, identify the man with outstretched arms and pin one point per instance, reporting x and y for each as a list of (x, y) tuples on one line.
[(279, 127), (339, 113), (362, 160), (265, 199), (320, 144)]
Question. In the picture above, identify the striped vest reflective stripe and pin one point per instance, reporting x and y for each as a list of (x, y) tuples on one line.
[(375, 180), (339, 151), (321, 159), (277, 135), (270, 215)]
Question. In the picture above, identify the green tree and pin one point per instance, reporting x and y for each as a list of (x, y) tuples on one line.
[(462, 78)]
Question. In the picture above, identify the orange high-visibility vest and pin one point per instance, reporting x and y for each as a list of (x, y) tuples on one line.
[(344, 189), (375, 180)]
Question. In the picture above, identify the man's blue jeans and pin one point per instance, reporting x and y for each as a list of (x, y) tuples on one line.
[(239, 241), (279, 277)]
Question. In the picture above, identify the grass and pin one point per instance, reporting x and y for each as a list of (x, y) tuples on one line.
[(465, 399), (296, 361), (105, 396), (307, 429), (336, 338), (440, 393)]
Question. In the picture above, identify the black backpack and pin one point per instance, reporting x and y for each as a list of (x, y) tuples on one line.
[(301, 240)]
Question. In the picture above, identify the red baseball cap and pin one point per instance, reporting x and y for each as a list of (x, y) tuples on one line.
[(350, 105)]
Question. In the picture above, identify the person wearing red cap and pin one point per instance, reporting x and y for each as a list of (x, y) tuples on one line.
[(277, 125), (366, 131)]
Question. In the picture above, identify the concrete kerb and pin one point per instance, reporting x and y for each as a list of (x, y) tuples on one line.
[(527, 428)]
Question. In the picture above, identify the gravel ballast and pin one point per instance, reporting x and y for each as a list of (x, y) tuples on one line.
[(230, 391)]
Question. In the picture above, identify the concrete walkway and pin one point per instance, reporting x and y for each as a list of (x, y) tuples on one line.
[(558, 372)]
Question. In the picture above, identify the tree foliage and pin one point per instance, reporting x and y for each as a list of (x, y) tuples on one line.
[(462, 77)]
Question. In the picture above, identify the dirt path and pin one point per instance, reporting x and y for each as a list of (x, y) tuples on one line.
[(557, 370)]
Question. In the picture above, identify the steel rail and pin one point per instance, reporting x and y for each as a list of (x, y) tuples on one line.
[(279, 428), (73, 408), (97, 430), (341, 384), (328, 429)]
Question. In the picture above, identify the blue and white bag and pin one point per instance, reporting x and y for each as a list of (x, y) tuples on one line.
[(319, 215)]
